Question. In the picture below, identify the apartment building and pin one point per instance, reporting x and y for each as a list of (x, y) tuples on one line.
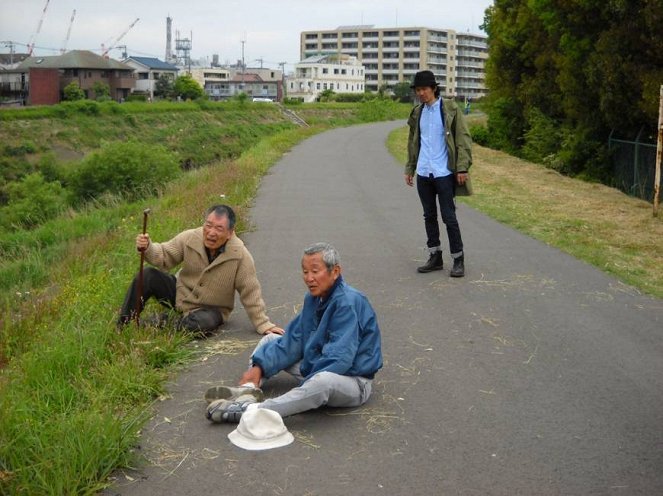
[(393, 55), (223, 83), (214, 80), (339, 73)]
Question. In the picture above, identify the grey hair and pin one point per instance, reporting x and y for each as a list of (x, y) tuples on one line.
[(330, 256)]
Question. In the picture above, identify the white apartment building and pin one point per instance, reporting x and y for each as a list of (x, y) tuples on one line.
[(393, 55), (313, 75)]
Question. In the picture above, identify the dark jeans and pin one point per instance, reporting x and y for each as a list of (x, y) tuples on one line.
[(162, 286), (431, 190)]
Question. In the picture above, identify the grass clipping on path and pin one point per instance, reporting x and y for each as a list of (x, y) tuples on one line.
[(593, 222)]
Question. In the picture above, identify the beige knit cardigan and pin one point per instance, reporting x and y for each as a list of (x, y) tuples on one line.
[(204, 284)]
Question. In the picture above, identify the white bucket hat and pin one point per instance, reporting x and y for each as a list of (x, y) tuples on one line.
[(260, 429)]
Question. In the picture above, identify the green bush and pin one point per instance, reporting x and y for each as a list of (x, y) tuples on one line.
[(73, 92), (31, 202), (542, 139), (137, 97), (129, 169), (479, 134), (20, 150), (348, 97)]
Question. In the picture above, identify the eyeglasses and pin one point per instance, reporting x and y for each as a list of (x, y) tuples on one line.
[(212, 227)]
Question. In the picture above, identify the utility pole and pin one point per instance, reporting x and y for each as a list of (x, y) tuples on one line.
[(659, 154), (243, 66), (10, 44), (283, 85)]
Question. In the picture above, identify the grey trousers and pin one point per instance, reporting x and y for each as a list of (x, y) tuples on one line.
[(324, 388)]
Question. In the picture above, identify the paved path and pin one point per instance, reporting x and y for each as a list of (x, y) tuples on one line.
[(536, 374)]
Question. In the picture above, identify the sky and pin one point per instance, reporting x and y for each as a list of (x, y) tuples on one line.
[(266, 31)]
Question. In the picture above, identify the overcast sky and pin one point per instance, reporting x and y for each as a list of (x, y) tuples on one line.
[(269, 28)]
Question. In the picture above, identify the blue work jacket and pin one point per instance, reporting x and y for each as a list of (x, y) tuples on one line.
[(339, 335)]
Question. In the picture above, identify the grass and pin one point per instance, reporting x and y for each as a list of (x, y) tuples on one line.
[(592, 222), (74, 393)]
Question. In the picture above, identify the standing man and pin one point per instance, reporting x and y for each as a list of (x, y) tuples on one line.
[(333, 347), (440, 153), (214, 264)]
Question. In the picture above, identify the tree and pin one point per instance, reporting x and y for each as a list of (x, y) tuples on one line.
[(586, 67), (101, 90), (188, 88), (402, 92), (73, 92), (164, 87), (326, 95)]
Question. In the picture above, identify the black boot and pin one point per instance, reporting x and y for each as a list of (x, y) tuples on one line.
[(434, 263), (458, 269)]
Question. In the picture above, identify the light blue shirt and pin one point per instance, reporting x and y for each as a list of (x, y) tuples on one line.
[(433, 157)]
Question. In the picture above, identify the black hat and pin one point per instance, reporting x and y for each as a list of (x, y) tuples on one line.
[(424, 78)]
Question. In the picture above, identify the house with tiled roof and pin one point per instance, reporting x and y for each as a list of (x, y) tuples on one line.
[(148, 70), (44, 78)]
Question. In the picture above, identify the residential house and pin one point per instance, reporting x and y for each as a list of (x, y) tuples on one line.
[(43, 78), (10, 81), (148, 70)]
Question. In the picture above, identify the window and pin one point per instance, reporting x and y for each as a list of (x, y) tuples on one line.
[(325, 70)]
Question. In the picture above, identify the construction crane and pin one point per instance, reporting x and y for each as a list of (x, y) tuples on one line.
[(104, 51), (66, 40), (31, 43)]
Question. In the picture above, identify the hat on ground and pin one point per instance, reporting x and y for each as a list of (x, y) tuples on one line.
[(260, 429), (423, 78)]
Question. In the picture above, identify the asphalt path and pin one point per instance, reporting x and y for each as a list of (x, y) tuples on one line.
[(536, 374)]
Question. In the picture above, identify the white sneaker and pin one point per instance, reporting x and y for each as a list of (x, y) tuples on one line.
[(240, 394)]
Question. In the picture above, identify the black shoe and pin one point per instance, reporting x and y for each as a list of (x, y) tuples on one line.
[(458, 269), (434, 263)]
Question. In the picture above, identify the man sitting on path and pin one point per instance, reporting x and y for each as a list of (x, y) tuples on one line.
[(333, 347), (214, 264)]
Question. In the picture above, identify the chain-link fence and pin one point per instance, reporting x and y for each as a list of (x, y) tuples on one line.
[(635, 164)]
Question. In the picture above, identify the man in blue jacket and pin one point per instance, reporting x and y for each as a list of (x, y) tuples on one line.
[(333, 347)]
